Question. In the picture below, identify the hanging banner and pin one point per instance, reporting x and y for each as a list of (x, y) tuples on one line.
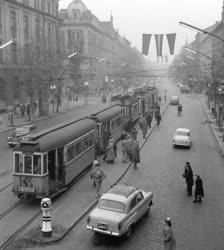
[(171, 41), (159, 44), (145, 43)]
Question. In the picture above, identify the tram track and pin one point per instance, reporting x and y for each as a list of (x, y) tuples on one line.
[(11, 208), (5, 187)]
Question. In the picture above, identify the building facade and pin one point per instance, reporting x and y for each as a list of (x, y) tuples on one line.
[(100, 53), (33, 25)]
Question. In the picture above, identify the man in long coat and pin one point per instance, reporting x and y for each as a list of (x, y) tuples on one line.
[(169, 239), (199, 191), (188, 175)]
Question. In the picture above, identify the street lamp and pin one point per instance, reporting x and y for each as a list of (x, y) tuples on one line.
[(6, 44), (52, 89), (73, 54), (87, 92), (197, 52)]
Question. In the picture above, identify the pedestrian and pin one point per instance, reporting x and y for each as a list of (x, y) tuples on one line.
[(168, 236), (123, 134), (97, 176), (199, 190), (158, 119), (23, 108), (110, 155), (144, 126), (124, 149), (149, 119), (134, 133), (18, 111), (10, 117), (115, 149), (135, 153), (128, 143), (188, 175)]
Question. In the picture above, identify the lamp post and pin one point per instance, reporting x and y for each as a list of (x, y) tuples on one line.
[(52, 89)]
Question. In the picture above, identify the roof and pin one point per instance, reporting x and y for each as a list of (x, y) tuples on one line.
[(49, 139), (107, 114), (183, 129), (122, 190)]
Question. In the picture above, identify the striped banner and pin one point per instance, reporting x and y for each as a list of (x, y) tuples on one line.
[(171, 42)]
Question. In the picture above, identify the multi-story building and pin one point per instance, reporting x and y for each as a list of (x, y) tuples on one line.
[(100, 53), (33, 25)]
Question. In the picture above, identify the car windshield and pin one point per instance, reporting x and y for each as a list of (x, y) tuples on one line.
[(111, 205), (183, 133), (22, 130)]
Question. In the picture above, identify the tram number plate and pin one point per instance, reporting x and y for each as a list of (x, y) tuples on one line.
[(27, 189)]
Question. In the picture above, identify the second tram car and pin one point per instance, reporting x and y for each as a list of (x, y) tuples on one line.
[(109, 123), (49, 160)]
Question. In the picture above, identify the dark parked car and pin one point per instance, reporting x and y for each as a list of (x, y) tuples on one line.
[(19, 134), (184, 89)]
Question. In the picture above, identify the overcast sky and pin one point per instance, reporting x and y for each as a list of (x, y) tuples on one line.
[(134, 17)]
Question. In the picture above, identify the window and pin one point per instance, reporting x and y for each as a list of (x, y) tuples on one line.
[(78, 148), (13, 24), (133, 203), (139, 197), (85, 143), (91, 139), (45, 164), (37, 164), (1, 18), (112, 205), (28, 164), (1, 54), (70, 152), (36, 4), (43, 5), (48, 7), (49, 35), (113, 125), (37, 30), (18, 163), (13, 54)]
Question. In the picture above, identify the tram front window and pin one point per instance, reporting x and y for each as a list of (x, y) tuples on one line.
[(27, 164), (37, 164), (18, 163)]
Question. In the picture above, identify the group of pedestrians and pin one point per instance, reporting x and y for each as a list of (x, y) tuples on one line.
[(189, 177)]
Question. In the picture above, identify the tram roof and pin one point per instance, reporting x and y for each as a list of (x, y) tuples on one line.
[(107, 114), (56, 136)]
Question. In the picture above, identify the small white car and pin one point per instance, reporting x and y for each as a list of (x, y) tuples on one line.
[(182, 137), (118, 210), (174, 100)]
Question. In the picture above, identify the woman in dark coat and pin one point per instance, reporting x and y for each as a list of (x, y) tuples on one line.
[(135, 153), (188, 175), (199, 191)]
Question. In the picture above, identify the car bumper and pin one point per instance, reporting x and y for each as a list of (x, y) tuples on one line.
[(103, 231), (183, 144), (13, 143)]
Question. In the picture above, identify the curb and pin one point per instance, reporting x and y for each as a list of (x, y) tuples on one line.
[(95, 202), (221, 150)]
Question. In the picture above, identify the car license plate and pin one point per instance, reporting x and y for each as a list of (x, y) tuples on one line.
[(27, 189), (102, 226)]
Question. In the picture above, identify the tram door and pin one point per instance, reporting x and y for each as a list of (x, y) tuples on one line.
[(60, 166), (143, 107), (52, 168)]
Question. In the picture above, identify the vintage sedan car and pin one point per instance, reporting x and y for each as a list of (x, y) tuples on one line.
[(20, 133), (174, 100), (118, 210), (184, 89), (182, 137)]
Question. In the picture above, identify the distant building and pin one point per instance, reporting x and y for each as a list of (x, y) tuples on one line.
[(101, 54), (27, 23)]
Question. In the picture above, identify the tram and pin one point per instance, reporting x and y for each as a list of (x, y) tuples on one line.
[(47, 161), (110, 123)]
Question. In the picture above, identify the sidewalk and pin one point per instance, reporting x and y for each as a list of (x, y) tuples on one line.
[(218, 135), (77, 202), (65, 107)]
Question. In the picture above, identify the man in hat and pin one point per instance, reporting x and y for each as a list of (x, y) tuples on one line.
[(188, 175), (97, 175), (168, 236), (199, 191)]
